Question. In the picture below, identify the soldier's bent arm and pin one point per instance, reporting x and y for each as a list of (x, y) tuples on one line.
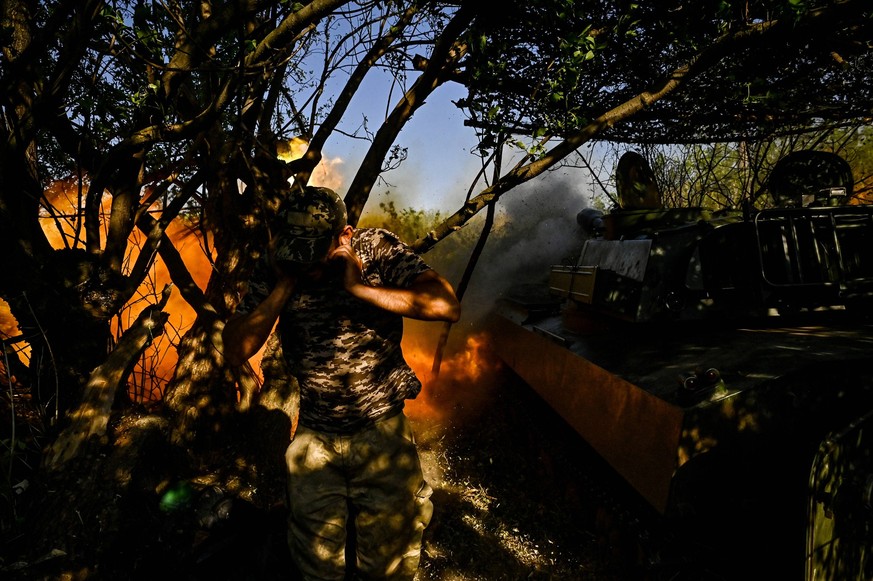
[(244, 334), (430, 297)]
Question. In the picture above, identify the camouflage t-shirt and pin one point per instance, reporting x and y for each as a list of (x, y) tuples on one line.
[(344, 352)]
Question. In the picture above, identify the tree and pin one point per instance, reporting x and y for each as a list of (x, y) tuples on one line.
[(727, 175), (161, 109), (150, 113), (680, 72)]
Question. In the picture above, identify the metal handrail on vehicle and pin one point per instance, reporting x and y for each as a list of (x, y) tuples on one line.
[(814, 246)]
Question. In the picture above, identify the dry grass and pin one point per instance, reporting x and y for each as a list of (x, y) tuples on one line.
[(515, 497), (512, 497)]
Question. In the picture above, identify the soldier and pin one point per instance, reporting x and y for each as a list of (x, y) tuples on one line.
[(339, 295)]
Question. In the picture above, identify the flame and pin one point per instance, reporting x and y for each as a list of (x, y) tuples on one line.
[(468, 370), (463, 386), (8, 324), (62, 226), (9, 329), (467, 377), (326, 174), (291, 149), (60, 231)]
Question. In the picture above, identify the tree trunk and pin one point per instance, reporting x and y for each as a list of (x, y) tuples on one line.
[(91, 418), (85, 479), (202, 394)]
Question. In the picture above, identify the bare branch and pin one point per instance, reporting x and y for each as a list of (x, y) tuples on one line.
[(522, 174), (327, 127), (90, 419), (446, 54)]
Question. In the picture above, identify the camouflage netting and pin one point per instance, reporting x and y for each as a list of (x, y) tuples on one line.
[(762, 91), (743, 70)]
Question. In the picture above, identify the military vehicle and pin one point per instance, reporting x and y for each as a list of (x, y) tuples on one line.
[(722, 363)]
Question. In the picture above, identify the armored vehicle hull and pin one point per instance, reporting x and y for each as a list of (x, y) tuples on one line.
[(721, 364)]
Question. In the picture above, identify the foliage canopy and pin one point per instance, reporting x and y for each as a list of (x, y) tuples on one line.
[(125, 119), (734, 70)]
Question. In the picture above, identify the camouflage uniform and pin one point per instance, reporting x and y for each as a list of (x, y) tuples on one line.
[(353, 449)]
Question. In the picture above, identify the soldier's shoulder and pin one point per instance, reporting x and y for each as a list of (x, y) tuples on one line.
[(379, 235)]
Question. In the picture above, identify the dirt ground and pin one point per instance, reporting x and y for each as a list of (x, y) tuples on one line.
[(517, 495)]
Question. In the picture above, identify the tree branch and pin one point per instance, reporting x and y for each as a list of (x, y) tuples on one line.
[(446, 54), (91, 418), (155, 229), (179, 273), (327, 127), (521, 174)]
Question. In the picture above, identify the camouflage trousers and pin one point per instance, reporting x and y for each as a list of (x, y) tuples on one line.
[(369, 483)]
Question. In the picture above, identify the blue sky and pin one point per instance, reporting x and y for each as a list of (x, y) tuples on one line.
[(437, 175), (439, 166)]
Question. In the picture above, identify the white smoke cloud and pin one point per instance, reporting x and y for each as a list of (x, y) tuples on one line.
[(535, 228)]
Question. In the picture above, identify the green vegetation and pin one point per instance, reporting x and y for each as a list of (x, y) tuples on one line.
[(152, 113)]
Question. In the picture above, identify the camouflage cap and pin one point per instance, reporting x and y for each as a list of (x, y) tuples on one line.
[(307, 223)]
